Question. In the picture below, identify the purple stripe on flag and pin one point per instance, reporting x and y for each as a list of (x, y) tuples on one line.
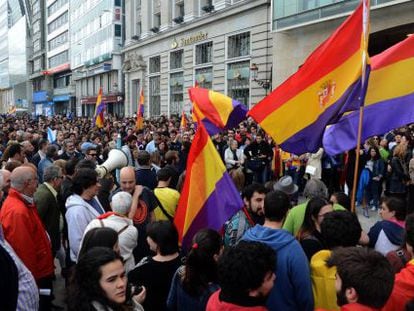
[(222, 203), (100, 109), (237, 115), (378, 119), (309, 139)]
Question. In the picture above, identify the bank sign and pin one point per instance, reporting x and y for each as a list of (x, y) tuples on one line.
[(191, 39)]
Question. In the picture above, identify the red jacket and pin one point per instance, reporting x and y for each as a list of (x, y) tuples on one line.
[(214, 304), (403, 290), (25, 232)]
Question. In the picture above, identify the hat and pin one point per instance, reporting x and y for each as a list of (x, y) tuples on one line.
[(286, 185), (86, 145)]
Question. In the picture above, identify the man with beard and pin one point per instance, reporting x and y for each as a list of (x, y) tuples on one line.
[(364, 278), (246, 276), (251, 214), (293, 289)]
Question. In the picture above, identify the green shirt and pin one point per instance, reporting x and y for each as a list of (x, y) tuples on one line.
[(296, 215)]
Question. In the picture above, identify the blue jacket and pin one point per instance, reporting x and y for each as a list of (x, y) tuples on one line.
[(293, 288)]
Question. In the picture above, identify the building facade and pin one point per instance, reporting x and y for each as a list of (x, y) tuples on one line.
[(97, 36), (41, 90), (300, 26), (13, 55), (58, 72), (172, 44)]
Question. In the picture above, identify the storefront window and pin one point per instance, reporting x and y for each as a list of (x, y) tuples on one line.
[(176, 92), (154, 96)]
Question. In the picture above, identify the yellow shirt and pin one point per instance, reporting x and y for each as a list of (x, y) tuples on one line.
[(168, 197)]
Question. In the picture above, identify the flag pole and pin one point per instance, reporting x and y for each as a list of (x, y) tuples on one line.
[(365, 29)]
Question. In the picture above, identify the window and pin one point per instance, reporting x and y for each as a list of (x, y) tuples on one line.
[(179, 9), (37, 65), (36, 26), (239, 45), (58, 41), (176, 59), (58, 22), (118, 30), (36, 45), (58, 59), (204, 77), (35, 7), (204, 53), (157, 20), (56, 6), (154, 64), (238, 81), (176, 92), (154, 96)]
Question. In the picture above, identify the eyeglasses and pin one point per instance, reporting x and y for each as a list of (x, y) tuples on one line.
[(93, 154)]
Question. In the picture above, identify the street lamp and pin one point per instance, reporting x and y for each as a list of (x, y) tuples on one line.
[(264, 83)]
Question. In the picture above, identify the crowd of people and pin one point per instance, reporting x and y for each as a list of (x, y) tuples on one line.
[(296, 244)]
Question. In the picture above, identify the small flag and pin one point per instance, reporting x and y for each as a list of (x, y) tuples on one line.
[(99, 110), (51, 135), (183, 123), (139, 123)]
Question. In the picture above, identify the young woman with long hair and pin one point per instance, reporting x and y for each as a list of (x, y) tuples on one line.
[(99, 283), (309, 235), (194, 282)]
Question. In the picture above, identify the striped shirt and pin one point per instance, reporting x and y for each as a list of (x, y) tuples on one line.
[(28, 297)]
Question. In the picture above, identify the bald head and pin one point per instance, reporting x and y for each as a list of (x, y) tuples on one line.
[(127, 179), (24, 180)]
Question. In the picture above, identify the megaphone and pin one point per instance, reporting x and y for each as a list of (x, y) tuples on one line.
[(116, 159)]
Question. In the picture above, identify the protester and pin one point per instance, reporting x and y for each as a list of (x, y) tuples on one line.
[(46, 200), (338, 229), (403, 290), (118, 220), (99, 283), (156, 272), (252, 213), (314, 188), (292, 290), (387, 235), (99, 237), (364, 278), (25, 232), (82, 207), (194, 282), (246, 277), (167, 198), (309, 234)]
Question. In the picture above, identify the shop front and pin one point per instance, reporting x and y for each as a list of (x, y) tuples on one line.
[(114, 105)]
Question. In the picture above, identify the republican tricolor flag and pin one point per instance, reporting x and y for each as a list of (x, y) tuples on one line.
[(389, 102), (216, 111), (139, 123), (209, 197), (99, 110), (328, 84), (183, 123)]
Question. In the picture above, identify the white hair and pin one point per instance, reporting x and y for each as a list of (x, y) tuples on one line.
[(121, 202)]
